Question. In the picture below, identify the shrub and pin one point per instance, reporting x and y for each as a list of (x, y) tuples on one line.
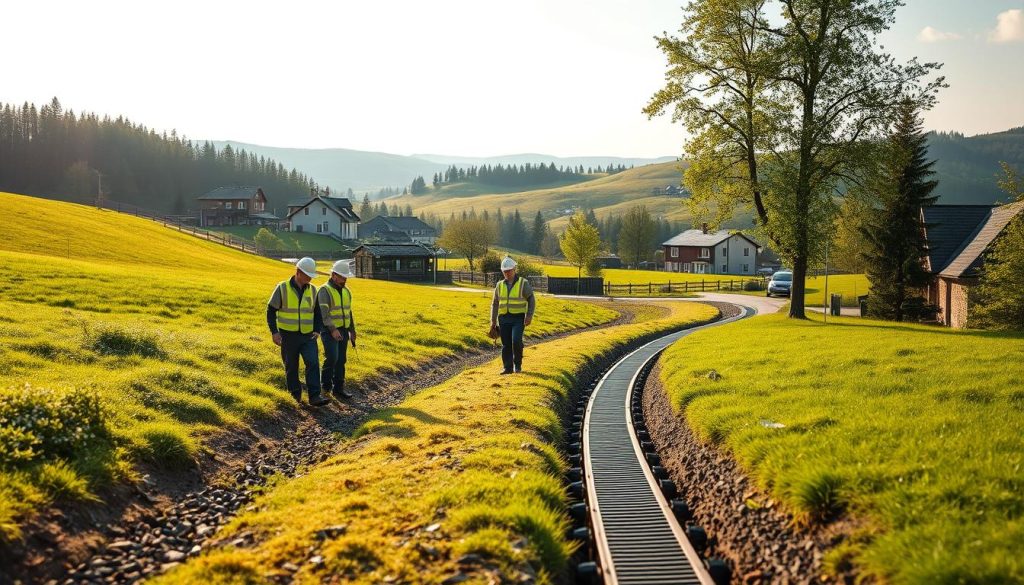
[(112, 340), (753, 285), (490, 262), (527, 268), (38, 423), (594, 268), (267, 240)]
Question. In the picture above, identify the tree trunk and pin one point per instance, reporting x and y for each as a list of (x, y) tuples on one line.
[(796, 291)]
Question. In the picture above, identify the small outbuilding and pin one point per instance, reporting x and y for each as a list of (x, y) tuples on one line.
[(406, 262)]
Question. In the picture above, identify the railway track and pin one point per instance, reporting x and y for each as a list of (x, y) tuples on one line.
[(635, 520)]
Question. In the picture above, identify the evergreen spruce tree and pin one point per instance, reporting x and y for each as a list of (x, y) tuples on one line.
[(896, 235), (366, 209), (540, 228)]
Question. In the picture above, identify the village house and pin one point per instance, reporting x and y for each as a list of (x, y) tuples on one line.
[(325, 215), (704, 252), (958, 238), (235, 205), (406, 262), (386, 228)]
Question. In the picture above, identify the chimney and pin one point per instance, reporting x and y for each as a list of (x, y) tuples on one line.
[(704, 227)]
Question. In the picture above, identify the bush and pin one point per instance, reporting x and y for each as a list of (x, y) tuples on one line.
[(489, 262), (110, 340), (594, 268), (527, 268), (38, 423), (267, 240), (750, 285)]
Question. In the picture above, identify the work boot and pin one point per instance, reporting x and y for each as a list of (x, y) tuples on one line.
[(518, 368), (319, 401), (342, 395), (503, 372)]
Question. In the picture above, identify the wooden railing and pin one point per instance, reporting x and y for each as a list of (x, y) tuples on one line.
[(687, 286), (176, 223)]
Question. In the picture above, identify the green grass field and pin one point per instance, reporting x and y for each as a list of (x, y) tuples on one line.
[(471, 466), (296, 241), (122, 341), (916, 433)]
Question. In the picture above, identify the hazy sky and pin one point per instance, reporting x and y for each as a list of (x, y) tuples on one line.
[(457, 77)]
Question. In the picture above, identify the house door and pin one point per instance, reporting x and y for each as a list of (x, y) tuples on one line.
[(700, 267)]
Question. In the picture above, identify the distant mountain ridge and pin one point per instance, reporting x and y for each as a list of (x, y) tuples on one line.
[(362, 171)]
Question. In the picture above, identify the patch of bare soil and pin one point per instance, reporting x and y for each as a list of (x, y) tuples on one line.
[(748, 529), (142, 530)]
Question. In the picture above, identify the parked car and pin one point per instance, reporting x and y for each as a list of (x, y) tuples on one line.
[(766, 271), (780, 283)]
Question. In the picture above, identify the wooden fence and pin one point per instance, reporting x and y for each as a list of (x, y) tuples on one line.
[(490, 279), (177, 224), (669, 288)]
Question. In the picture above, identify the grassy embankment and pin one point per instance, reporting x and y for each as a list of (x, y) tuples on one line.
[(469, 466), (296, 241), (139, 342), (915, 433)]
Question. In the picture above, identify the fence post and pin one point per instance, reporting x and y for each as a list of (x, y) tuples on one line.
[(649, 288), (630, 289)]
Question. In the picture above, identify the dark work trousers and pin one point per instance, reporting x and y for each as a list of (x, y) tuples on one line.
[(294, 345), (512, 327), (335, 352)]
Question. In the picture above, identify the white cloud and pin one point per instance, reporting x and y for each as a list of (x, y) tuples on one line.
[(1009, 28), (930, 34)]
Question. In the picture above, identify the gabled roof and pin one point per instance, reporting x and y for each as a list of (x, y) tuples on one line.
[(970, 256), (338, 205), (947, 228), (396, 250), (233, 193), (705, 240), (404, 223)]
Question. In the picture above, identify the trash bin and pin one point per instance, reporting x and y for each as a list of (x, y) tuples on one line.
[(862, 302), (836, 305)]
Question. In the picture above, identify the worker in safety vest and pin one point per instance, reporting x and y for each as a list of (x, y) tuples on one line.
[(339, 328), (293, 316), (512, 311)]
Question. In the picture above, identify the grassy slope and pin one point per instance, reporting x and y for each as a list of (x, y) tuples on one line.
[(169, 332), (292, 240), (605, 194), (916, 432), (477, 454)]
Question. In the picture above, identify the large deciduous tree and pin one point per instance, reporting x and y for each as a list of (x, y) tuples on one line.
[(783, 112), (469, 237), (895, 235), (636, 238)]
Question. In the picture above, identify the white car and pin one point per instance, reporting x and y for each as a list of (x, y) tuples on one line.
[(780, 283)]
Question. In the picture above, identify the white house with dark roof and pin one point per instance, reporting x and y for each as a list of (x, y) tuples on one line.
[(320, 214), (704, 252), (383, 227)]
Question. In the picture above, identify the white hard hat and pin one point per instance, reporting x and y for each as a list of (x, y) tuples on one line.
[(307, 265), (508, 263), (342, 268)]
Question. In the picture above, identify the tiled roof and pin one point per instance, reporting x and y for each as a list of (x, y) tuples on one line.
[(701, 239), (947, 228), (407, 223), (339, 205), (969, 257), (233, 193), (396, 250)]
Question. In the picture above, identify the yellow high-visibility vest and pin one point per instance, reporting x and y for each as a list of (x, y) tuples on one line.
[(341, 307), (295, 314), (511, 302)]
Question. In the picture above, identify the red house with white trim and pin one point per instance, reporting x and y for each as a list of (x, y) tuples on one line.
[(703, 252)]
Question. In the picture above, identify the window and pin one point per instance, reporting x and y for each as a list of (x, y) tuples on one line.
[(327, 227), (675, 252), (686, 267), (227, 205), (725, 251), (319, 228), (241, 204), (323, 211), (705, 253), (746, 251), (305, 211), (746, 268), (725, 269), (298, 228)]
